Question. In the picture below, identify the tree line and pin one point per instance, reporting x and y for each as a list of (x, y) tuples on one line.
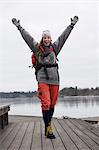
[(17, 94), (67, 91), (75, 91)]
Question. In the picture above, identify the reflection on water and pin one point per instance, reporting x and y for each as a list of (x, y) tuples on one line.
[(68, 106), (78, 107)]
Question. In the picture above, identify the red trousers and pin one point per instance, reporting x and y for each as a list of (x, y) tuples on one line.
[(48, 94)]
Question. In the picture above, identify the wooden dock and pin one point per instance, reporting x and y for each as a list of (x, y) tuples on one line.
[(27, 133)]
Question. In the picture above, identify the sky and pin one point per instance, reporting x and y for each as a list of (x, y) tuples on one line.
[(79, 57)]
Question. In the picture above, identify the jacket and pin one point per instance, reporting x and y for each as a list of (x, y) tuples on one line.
[(52, 72)]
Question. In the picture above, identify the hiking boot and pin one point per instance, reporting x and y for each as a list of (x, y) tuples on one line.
[(49, 133), (47, 121), (51, 136)]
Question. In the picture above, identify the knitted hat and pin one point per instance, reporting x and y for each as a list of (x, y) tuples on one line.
[(46, 33)]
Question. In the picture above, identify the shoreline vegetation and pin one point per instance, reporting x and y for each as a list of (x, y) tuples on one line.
[(71, 91)]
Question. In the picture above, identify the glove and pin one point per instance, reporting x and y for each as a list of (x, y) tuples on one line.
[(74, 20), (16, 22)]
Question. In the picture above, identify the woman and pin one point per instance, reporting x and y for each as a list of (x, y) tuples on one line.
[(47, 69)]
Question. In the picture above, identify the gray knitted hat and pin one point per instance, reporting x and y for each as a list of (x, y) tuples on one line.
[(46, 33)]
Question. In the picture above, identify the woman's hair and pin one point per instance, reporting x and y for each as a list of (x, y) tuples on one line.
[(41, 42)]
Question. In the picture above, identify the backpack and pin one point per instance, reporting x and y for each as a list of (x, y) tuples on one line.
[(34, 56)]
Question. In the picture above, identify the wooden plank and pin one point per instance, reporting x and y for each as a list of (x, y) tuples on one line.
[(18, 118), (90, 127), (28, 137), (57, 142), (4, 133), (66, 140), (90, 143), (36, 141), (78, 142), (8, 140), (86, 131), (17, 140), (45, 142)]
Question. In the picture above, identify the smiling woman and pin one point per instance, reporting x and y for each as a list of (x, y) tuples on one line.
[(46, 69)]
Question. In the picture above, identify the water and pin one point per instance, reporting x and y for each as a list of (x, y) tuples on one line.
[(78, 107)]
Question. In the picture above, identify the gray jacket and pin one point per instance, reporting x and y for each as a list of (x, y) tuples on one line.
[(49, 59)]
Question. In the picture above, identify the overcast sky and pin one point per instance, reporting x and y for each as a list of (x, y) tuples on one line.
[(78, 59)]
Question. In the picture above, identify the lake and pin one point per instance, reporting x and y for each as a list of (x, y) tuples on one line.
[(71, 106)]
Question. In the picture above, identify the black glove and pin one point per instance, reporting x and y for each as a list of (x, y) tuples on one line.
[(74, 20), (16, 22)]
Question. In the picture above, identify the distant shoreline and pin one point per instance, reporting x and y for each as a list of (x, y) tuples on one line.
[(71, 91)]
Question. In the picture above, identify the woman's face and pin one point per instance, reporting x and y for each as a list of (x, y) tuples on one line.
[(46, 40)]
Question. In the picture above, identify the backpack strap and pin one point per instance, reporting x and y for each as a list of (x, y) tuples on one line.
[(52, 49), (41, 48)]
